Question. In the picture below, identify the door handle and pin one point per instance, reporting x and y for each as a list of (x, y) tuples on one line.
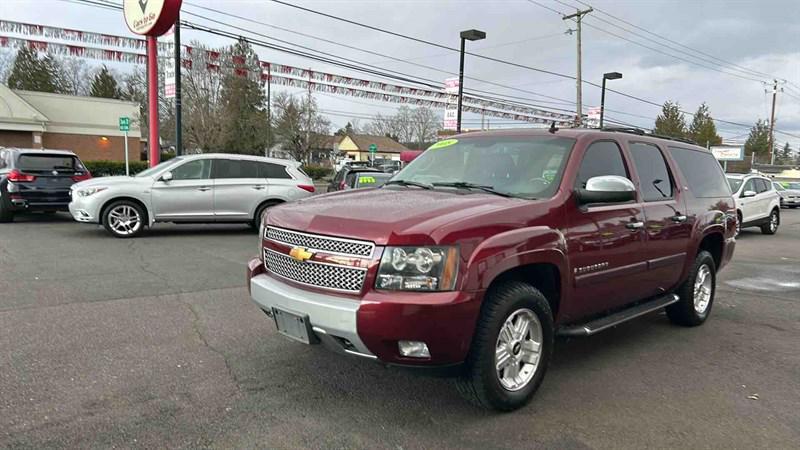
[(679, 218), (204, 188), (633, 226), (259, 187)]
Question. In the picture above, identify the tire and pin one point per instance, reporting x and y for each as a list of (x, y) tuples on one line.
[(259, 215), (481, 383), (690, 313), (6, 216), (771, 227), (124, 219)]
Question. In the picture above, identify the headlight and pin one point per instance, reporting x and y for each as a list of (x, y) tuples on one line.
[(418, 269), (90, 191)]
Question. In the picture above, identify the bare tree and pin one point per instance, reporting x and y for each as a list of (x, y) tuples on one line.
[(292, 125), (408, 126), (424, 124), (77, 75)]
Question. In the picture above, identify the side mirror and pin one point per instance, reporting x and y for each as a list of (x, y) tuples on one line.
[(607, 189), (166, 176), (746, 194)]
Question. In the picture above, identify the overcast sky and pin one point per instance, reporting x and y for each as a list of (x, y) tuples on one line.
[(759, 35)]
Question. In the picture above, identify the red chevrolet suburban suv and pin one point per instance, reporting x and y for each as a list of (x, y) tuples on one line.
[(489, 244)]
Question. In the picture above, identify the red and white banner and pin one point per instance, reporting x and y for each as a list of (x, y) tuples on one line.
[(280, 73)]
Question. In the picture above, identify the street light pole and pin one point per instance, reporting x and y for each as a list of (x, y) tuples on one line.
[(606, 76), (468, 35)]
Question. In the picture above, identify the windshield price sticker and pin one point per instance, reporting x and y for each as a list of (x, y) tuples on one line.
[(444, 143)]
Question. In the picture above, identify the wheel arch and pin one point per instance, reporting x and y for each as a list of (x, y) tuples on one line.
[(273, 200), (148, 215)]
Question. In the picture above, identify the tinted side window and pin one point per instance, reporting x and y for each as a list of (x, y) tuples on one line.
[(654, 177), (601, 158), (269, 170), (229, 168), (761, 185), (702, 172), (199, 169)]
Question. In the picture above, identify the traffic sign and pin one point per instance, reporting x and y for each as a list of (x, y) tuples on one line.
[(373, 148), (124, 123)]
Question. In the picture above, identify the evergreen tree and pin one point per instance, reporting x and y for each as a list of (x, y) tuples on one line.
[(670, 122), (784, 155), (105, 85), (244, 104), (32, 73), (702, 130), (758, 141)]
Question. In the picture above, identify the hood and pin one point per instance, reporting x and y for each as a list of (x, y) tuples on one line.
[(792, 192), (391, 216), (110, 181)]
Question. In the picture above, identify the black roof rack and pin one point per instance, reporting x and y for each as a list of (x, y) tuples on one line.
[(641, 132)]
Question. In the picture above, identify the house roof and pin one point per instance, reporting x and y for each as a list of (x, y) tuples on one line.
[(58, 113), (82, 115), (385, 144)]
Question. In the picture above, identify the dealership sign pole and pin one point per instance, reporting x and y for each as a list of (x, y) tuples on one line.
[(151, 18), (125, 125)]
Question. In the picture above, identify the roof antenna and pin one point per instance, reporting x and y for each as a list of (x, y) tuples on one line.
[(553, 127)]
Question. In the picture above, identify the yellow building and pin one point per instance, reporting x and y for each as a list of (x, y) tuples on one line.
[(356, 147)]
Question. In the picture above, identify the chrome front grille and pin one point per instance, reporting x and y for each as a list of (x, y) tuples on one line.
[(340, 278), (322, 243)]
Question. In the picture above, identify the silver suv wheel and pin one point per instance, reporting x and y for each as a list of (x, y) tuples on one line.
[(518, 348)]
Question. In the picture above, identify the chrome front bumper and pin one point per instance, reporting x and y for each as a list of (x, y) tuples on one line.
[(333, 319)]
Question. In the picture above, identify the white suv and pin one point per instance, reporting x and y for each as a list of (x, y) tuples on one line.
[(190, 189), (757, 202)]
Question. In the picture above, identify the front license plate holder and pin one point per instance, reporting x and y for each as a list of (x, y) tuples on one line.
[(294, 326)]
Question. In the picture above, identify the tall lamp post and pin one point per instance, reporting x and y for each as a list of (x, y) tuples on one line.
[(468, 35), (606, 76)]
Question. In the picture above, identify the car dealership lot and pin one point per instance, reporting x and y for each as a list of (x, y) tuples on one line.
[(154, 342)]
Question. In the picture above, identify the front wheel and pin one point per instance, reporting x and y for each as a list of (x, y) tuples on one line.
[(511, 348), (771, 227), (696, 293), (124, 219)]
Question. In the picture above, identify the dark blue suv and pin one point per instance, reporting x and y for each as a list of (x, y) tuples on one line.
[(34, 180)]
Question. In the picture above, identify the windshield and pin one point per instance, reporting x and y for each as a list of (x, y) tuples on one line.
[(529, 167), (735, 183), (149, 172)]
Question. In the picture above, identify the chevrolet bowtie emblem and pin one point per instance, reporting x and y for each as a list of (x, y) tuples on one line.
[(300, 254)]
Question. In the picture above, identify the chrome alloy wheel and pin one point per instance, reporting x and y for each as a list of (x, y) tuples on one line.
[(124, 220), (773, 221), (702, 289), (518, 349)]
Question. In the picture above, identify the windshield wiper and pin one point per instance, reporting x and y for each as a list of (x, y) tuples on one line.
[(466, 185), (410, 183)]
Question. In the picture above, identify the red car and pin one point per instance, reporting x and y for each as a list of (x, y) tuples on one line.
[(490, 244)]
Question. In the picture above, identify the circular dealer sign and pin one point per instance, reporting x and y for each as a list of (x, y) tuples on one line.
[(151, 17)]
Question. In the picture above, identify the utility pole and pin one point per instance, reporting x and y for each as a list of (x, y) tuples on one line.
[(578, 16), (308, 119), (772, 123)]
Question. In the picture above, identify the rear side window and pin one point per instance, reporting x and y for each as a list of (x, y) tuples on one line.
[(702, 172), (654, 177), (48, 163), (229, 168), (269, 170), (601, 158)]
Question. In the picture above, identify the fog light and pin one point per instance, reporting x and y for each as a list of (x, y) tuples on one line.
[(414, 349)]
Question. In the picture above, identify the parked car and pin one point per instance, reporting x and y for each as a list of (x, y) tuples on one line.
[(790, 198), (35, 180), (207, 188), (339, 181), (363, 178), (490, 243), (757, 202)]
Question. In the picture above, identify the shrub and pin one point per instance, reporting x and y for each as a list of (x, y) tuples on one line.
[(112, 168), (317, 172)]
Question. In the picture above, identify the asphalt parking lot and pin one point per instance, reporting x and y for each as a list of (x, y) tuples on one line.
[(153, 342)]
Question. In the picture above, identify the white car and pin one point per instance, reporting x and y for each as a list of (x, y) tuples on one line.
[(757, 202), (207, 188)]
